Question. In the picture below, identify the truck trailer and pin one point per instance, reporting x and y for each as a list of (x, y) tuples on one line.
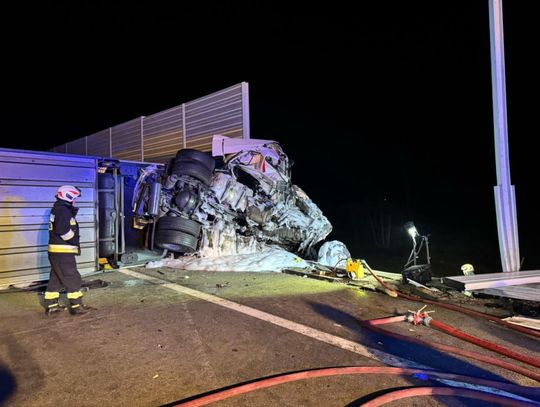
[(28, 184)]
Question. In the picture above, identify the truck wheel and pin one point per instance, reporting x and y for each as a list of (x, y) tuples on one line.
[(190, 154), (175, 241), (194, 169), (180, 224), (169, 166)]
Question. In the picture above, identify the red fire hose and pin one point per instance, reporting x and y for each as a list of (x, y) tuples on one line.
[(464, 310), (444, 391), (456, 351), (334, 371), (484, 344), (461, 335), (388, 320)]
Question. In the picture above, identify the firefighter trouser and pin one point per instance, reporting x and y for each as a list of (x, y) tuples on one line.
[(64, 274)]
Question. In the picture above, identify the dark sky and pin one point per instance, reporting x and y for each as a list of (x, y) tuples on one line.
[(387, 103)]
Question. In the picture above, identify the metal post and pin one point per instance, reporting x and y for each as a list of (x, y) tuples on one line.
[(428, 257), (505, 200), (414, 251), (110, 142), (122, 217), (142, 138), (184, 134), (245, 110)]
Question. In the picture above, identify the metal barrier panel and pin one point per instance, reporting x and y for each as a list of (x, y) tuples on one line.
[(77, 147), (28, 184), (62, 148), (163, 134), (218, 113), (126, 140), (158, 137), (99, 144)]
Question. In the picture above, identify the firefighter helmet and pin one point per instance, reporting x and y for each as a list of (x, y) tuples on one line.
[(68, 193)]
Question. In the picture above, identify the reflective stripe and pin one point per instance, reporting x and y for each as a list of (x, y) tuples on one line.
[(68, 235), (50, 295), (74, 295), (72, 222), (75, 305), (63, 248), (53, 305)]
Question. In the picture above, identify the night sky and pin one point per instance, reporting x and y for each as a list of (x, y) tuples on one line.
[(386, 111)]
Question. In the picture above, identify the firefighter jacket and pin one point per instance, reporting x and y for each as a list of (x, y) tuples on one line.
[(63, 228)]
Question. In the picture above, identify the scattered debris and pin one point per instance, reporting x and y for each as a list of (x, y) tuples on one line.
[(332, 253), (526, 308), (155, 376), (493, 280), (367, 282), (533, 323), (416, 284), (270, 259), (92, 284)]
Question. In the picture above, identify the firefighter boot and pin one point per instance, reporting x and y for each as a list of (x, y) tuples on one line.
[(52, 306), (79, 309), (76, 306)]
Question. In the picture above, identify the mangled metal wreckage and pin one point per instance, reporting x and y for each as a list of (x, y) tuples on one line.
[(240, 202)]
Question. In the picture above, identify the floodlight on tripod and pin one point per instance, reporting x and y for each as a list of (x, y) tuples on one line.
[(417, 248)]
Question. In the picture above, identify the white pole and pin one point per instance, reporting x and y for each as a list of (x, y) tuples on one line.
[(505, 199)]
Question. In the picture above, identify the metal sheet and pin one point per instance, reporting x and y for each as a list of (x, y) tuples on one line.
[(126, 140), (77, 147), (157, 138), (28, 184), (163, 135), (219, 113), (99, 144)]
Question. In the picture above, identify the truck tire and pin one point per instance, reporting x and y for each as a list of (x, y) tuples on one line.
[(175, 241), (169, 166), (194, 169), (190, 154), (188, 226)]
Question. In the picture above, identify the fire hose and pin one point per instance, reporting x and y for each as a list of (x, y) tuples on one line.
[(416, 391), (422, 317), (453, 307)]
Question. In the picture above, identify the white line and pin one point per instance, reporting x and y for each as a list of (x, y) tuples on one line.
[(342, 343)]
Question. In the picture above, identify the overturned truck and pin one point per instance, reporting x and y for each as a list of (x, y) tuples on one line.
[(237, 201)]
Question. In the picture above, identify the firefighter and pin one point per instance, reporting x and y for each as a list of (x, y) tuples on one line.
[(64, 245)]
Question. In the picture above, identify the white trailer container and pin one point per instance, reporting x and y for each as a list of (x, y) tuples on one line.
[(28, 184)]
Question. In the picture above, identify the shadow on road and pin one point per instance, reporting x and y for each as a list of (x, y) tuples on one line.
[(414, 352), (8, 385)]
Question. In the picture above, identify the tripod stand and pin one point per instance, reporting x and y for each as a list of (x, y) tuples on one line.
[(420, 273)]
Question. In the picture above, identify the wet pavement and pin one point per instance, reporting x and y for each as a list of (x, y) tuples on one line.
[(149, 345)]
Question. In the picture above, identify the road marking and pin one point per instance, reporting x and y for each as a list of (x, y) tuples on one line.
[(313, 333)]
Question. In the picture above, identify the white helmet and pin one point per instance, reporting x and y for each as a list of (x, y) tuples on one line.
[(68, 193)]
